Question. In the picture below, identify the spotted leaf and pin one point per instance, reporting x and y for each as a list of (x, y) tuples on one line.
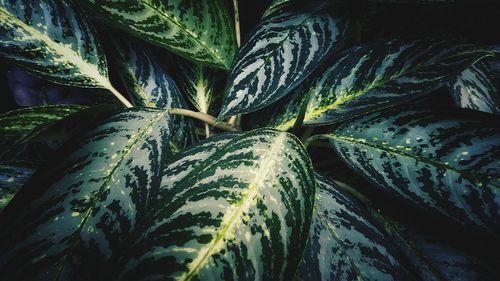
[(345, 243), (382, 74), (282, 51), (243, 213), (197, 30), (77, 211), (54, 41), (11, 180), (475, 88), (148, 84), (443, 161)]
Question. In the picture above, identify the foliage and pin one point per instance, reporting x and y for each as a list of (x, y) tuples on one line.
[(340, 141)]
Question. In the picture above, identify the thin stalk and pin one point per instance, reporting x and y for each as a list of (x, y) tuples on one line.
[(119, 96), (237, 22), (207, 130), (209, 119)]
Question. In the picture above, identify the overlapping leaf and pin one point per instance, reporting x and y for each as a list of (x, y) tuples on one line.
[(382, 74), (475, 88), (148, 84), (444, 163), (77, 211), (11, 180), (275, 6), (197, 30), (281, 53), (53, 41), (243, 213), (345, 243)]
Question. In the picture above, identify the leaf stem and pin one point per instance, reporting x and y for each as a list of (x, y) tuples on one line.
[(119, 96), (207, 131), (237, 22), (209, 119)]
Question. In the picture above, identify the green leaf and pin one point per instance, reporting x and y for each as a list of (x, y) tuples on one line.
[(148, 84), (282, 51), (382, 74), (11, 180), (243, 213), (197, 83), (475, 88), (52, 40), (345, 243), (196, 30), (275, 6), (76, 212), (442, 161)]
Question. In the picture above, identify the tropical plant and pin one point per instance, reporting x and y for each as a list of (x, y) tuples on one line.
[(343, 140)]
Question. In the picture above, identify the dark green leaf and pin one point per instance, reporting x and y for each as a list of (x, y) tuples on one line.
[(446, 162), (281, 53), (11, 180), (197, 30)]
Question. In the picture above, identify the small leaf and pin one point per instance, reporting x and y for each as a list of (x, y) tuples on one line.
[(196, 30), (345, 243), (148, 84), (383, 74), (76, 212), (52, 40), (243, 213), (475, 88), (281, 53), (445, 162), (11, 180)]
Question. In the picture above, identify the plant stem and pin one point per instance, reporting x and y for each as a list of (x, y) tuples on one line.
[(209, 119), (307, 133), (237, 22), (207, 131), (119, 96)]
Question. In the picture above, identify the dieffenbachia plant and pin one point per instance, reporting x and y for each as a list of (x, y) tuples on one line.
[(215, 161)]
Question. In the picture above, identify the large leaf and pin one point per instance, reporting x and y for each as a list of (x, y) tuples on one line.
[(148, 84), (243, 213), (445, 161), (53, 41), (475, 88), (382, 74), (196, 30), (75, 212), (346, 243), (11, 180), (282, 51)]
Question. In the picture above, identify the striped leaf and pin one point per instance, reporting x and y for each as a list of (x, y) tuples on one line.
[(148, 84), (197, 83), (76, 212), (475, 88), (382, 74), (275, 6), (243, 213), (11, 180), (281, 53), (196, 30), (345, 243), (52, 40), (443, 161)]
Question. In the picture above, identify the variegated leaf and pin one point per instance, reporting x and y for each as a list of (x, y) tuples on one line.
[(148, 84), (243, 213), (11, 180), (75, 213), (281, 53), (275, 6), (382, 74), (53, 41), (443, 161), (197, 30), (345, 243), (475, 88), (197, 83)]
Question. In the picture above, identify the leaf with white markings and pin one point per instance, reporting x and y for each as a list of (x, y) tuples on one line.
[(345, 243), (383, 74), (148, 84), (52, 40), (475, 88), (280, 54), (275, 6), (76, 212), (243, 213), (11, 180), (446, 164), (196, 30)]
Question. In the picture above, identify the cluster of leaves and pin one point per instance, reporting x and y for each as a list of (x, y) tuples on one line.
[(124, 189)]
